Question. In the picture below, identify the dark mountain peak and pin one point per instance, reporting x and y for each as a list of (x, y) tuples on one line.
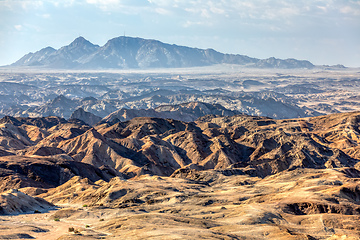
[(61, 99), (123, 42), (48, 49), (273, 62), (35, 59), (78, 111), (127, 39), (79, 47), (71, 56), (90, 98), (11, 120), (87, 117), (81, 41)]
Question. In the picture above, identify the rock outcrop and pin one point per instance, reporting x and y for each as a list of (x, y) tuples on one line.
[(87, 117), (14, 202)]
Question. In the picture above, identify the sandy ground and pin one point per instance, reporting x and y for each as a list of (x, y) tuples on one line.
[(300, 204)]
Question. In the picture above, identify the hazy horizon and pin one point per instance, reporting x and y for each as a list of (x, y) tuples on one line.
[(323, 32)]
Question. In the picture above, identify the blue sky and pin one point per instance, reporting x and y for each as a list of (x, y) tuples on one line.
[(322, 31)]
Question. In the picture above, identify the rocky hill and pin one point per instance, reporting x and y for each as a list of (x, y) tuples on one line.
[(87, 117), (128, 52), (259, 146), (233, 177)]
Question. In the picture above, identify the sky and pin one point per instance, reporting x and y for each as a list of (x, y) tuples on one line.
[(321, 31)]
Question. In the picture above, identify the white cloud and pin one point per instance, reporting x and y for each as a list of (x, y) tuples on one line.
[(261, 9), (167, 3), (46, 16), (163, 11), (104, 2), (31, 4), (245, 8), (20, 4), (34, 4), (18, 27), (27, 27), (217, 10), (198, 23), (350, 10), (126, 6)]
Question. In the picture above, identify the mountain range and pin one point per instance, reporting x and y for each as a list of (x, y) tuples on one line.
[(128, 52), (185, 106)]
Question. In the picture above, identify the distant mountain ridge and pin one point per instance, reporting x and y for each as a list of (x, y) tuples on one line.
[(129, 52), (187, 112), (185, 106)]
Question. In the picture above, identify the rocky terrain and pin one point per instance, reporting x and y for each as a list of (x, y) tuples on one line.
[(232, 177), (128, 52), (184, 112), (273, 93)]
